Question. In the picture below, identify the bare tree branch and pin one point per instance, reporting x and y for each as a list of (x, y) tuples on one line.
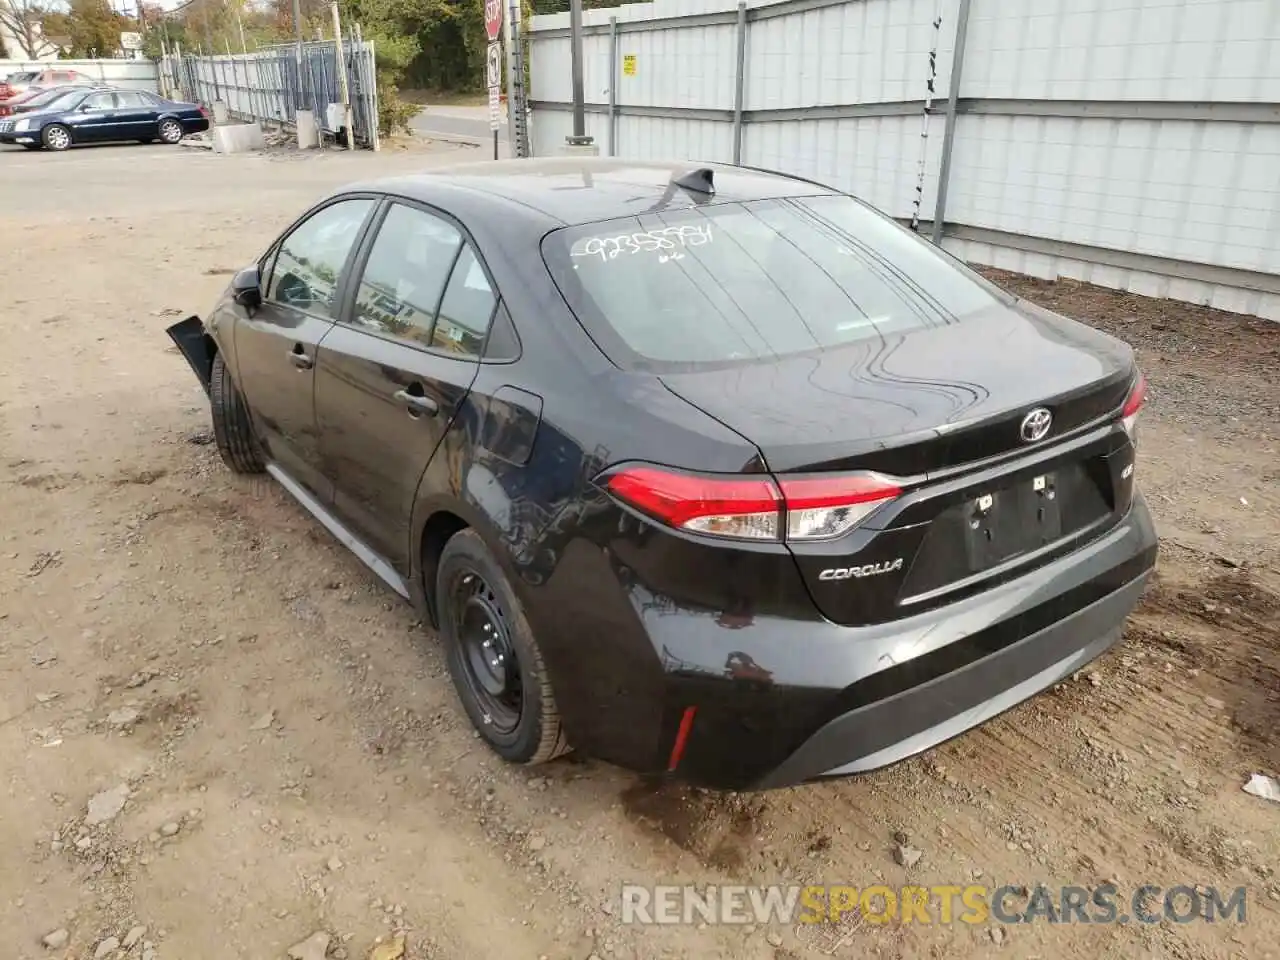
[(20, 21)]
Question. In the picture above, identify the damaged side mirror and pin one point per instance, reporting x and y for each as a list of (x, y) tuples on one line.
[(247, 288)]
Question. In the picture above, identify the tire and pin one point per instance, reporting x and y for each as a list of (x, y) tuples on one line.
[(475, 600), (56, 137), (170, 131), (232, 428)]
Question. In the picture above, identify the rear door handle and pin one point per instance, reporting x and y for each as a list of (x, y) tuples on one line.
[(300, 359), (417, 403)]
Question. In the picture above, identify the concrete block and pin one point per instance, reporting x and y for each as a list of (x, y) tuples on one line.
[(308, 130), (220, 114), (580, 150), (237, 138)]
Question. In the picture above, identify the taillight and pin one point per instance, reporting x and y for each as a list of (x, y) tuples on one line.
[(753, 508), (1133, 404), (203, 112)]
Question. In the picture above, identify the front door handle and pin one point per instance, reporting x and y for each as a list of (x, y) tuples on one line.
[(300, 359), (417, 403)]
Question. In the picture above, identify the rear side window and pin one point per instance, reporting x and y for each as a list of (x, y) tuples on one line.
[(131, 100), (405, 274), (310, 260), (733, 283), (466, 309)]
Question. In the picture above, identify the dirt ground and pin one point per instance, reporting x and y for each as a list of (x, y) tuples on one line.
[(272, 747)]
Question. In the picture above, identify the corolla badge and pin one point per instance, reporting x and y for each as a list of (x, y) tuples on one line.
[(1036, 424), (869, 570)]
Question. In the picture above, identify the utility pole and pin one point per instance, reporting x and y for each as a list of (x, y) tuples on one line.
[(579, 136), (297, 32)]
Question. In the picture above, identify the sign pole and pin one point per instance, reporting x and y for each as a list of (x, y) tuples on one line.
[(493, 23)]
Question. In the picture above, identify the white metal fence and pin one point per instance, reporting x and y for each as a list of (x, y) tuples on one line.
[(132, 74), (1131, 143)]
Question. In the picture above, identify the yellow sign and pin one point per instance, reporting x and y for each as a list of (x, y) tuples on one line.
[(629, 64)]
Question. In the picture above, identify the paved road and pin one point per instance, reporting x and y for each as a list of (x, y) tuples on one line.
[(470, 124)]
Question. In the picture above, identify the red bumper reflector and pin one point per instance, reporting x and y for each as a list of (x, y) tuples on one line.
[(682, 737)]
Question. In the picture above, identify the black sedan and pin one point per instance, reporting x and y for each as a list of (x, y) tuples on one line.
[(711, 472), (88, 115)]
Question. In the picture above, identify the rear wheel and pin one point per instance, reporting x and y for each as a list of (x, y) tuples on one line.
[(495, 662), (170, 131), (56, 137), (232, 428)]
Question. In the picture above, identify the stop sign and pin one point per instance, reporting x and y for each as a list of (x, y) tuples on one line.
[(493, 18)]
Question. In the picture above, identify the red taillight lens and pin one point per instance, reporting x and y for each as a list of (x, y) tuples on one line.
[(203, 112), (743, 507), (753, 508), (1133, 403)]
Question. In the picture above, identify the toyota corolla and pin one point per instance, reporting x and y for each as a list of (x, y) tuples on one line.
[(704, 471)]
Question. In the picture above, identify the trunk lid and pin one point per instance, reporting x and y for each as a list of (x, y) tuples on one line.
[(941, 408), (922, 401)]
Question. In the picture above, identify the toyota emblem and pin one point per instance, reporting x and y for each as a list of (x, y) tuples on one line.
[(1036, 424)]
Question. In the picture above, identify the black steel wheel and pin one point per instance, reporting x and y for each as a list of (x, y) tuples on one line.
[(493, 658)]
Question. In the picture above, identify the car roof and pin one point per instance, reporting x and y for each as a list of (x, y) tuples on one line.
[(574, 189)]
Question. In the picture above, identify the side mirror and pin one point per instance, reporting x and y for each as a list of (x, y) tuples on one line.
[(246, 288)]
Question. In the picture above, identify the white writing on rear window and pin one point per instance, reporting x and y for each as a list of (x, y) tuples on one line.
[(667, 243)]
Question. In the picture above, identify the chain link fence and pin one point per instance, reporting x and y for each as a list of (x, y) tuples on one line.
[(273, 83)]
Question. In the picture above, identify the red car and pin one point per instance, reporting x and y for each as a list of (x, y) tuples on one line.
[(17, 83)]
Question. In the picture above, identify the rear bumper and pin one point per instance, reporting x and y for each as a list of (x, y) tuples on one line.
[(820, 700)]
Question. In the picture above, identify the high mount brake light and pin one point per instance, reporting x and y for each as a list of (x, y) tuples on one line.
[(755, 507), (1133, 404)]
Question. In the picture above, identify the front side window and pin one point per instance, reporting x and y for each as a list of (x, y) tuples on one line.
[(735, 283), (405, 274), (309, 262), (100, 101)]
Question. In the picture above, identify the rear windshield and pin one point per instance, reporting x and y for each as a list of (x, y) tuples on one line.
[(732, 283)]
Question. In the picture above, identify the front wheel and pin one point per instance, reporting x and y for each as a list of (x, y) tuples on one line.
[(493, 658), (170, 131), (56, 137), (232, 428)]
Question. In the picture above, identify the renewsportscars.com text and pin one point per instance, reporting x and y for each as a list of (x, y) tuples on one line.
[(939, 903)]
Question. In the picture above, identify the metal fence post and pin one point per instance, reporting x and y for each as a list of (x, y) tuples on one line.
[(613, 86), (739, 81), (949, 134)]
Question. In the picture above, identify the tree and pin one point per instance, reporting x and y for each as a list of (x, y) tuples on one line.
[(22, 21)]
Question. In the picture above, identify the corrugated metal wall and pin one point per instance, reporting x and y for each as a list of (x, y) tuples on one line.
[(1134, 143)]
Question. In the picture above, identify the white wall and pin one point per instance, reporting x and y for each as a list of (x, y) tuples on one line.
[(131, 74), (1197, 191)]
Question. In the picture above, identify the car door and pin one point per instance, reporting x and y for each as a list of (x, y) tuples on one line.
[(394, 372), (94, 119), (135, 117), (276, 343)]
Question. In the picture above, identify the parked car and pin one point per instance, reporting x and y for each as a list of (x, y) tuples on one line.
[(714, 472), (102, 115), (41, 98), (16, 83)]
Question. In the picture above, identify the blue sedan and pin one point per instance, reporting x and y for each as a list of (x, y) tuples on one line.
[(97, 116)]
